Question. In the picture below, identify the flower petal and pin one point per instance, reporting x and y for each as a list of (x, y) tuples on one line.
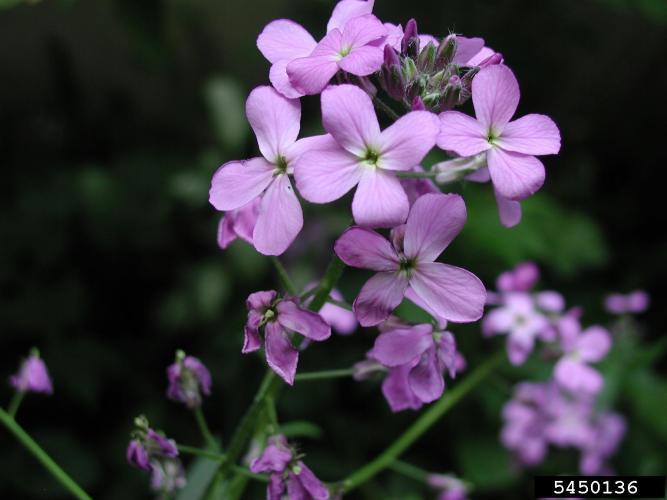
[(461, 134), (366, 249), (362, 30), (397, 392), (226, 234), (532, 135), (379, 297), (274, 458), (237, 182), (346, 10), (275, 119), (402, 345), (434, 221), (405, 143), (593, 344), (315, 487), (495, 96), (309, 75), (362, 61), (280, 80), (514, 175), (577, 376), (281, 356), (348, 115), (285, 39), (251, 340), (280, 218), (452, 292), (380, 200), (467, 49), (307, 323), (425, 379), (509, 211)]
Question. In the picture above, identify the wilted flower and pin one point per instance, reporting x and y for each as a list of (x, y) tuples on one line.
[(188, 380), (32, 375)]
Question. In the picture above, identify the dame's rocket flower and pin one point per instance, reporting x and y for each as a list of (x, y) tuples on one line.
[(277, 317), (32, 376), (275, 121), (450, 292), (359, 154), (188, 380), (239, 223)]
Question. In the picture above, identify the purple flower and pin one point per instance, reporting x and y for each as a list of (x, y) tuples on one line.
[(632, 303), (137, 455), (355, 48), (522, 278), (277, 317), (450, 487), (510, 146), (32, 376), (357, 153), (451, 292), (287, 473), (158, 445), (239, 223), (276, 122), (167, 475), (417, 357), (149, 448), (520, 320), (188, 380), (608, 431)]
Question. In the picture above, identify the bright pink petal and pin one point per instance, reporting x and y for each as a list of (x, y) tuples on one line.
[(361, 31), (452, 292), (379, 297), (495, 96), (346, 10), (275, 120), (348, 115), (593, 344), (280, 80), (362, 61), (326, 175), (237, 182), (281, 356), (403, 345), (461, 134), (280, 218), (307, 323), (514, 175), (309, 75), (434, 221), (405, 143), (366, 249), (284, 39), (531, 135), (380, 200), (509, 211)]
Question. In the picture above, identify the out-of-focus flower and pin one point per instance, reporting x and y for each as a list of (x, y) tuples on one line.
[(633, 303), (32, 375), (339, 318), (188, 379), (167, 475), (451, 292), (522, 278), (449, 486), (277, 317), (359, 154)]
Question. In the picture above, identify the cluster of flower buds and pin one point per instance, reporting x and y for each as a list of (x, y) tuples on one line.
[(426, 73)]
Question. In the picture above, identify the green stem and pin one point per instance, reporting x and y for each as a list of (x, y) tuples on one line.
[(325, 374), (409, 470), (331, 277), (425, 421), (191, 450), (284, 276), (15, 403), (385, 108), (60, 475), (210, 441)]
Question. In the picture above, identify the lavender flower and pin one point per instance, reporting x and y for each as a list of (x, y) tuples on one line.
[(239, 223), (32, 375), (188, 380), (450, 487), (633, 303)]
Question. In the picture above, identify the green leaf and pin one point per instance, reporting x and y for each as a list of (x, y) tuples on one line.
[(301, 428)]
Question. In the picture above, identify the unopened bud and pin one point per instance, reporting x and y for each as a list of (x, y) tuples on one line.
[(418, 104), (456, 169), (426, 58), (410, 42), (446, 51), (409, 70)]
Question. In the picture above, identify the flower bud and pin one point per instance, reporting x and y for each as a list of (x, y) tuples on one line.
[(453, 93), (418, 104), (446, 51), (32, 375), (137, 456), (456, 169), (410, 42), (426, 58), (392, 75)]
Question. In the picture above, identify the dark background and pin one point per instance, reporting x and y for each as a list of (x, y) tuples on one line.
[(114, 115)]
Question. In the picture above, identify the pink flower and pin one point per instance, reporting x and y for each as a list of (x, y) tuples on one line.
[(632, 303), (275, 121), (510, 146), (239, 223), (32, 376), (341, 320), (355, 48), (522, 278), (357, 153), (277, 318), (189, 380), (450, 292)]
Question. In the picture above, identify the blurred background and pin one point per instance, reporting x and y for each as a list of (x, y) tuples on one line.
[(115, 114)]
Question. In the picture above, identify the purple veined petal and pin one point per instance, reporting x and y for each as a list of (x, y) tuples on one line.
[(362, 30), (310, 75), (226, 234), (260, 301), (236, 183), (402, 345), (498, 320), (307, 323), (315, 488), (379, 297), (245, 220), (593, 344), (532, 135), (434, 221), (346, 10), (274, 458), (417, 300), (362, 61), (323, 142), (280, 80), (397, 392), (466, 49), (326, 175), (509, 211), (366, 249), (280, 218), (284, 39), (405, 143), (281, 356), (453, 293), (348, 115), (481, 56), (495, 96), (425, 379), (461, 134), (577, 376), (481, 175), (276, 487), (252, 341), (514, 175), (380, 200), (274, 119)]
